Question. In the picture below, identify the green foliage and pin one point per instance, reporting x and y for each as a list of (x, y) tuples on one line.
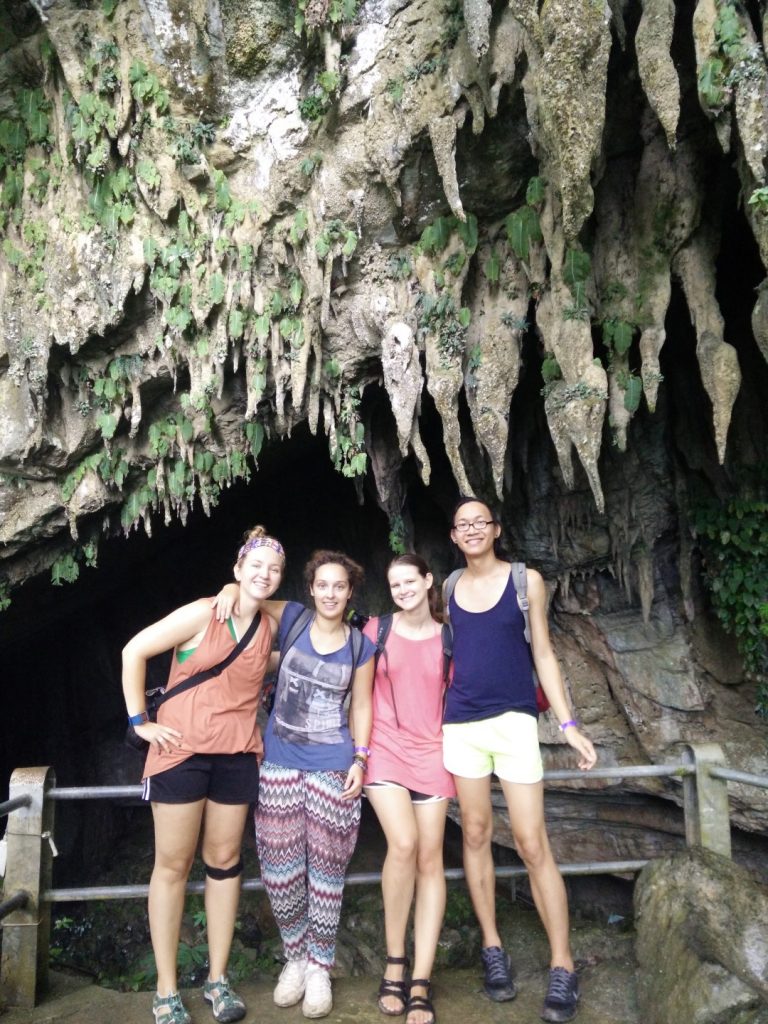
[(618, 335), (515, 323), (397, 535), (399, 267), (577, 267), (110, 466), (523, 229), (550, 369), (148, 173), (5, 599), (337, 14), (64, 570), (313, 107), (712, 82), (395, 90), (329, 81), (633, 391), (535, 193), (474, 362), (310, 164), (336, 239), (733, 534), (439, 315), (188, 139), (492, 267), (436, 236), (254, 433), (522, 225), (759, 199), (146, 88), (348, 452), (332, 369), (718, 73), (560, 397)]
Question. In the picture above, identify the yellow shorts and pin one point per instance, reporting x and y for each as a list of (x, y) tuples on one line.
[(507, 746)]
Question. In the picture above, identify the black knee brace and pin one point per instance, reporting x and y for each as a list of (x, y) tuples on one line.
[(219, 873)]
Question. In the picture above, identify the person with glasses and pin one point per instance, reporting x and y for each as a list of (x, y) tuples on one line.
[(490, 727)]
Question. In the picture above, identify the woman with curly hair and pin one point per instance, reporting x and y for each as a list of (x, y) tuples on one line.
[(312, 775)]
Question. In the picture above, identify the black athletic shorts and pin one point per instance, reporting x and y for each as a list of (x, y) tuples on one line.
[(223, 778)]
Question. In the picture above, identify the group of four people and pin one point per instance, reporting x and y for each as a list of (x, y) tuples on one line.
[(411, 741)]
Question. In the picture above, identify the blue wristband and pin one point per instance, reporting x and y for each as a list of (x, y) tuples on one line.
[(139, 719)]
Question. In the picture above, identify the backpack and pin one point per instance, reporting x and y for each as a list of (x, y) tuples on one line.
[(296, 628), (520, 581)]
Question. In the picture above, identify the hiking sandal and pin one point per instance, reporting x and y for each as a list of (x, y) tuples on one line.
[(396, 989), (170, 1010), (226, 1005), (423, 1003)]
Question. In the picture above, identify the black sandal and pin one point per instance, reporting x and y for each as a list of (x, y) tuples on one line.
[(398, 989), (421, 1002)]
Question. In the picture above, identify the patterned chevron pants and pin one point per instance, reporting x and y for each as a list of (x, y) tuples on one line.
[(305, 835)]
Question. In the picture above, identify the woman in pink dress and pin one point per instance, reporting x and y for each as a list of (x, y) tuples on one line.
[(407, 785)]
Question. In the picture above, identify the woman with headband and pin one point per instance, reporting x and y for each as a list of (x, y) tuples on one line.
[(202, 767)]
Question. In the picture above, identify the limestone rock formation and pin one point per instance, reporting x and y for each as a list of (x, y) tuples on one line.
[(459, 241), (701, 926)]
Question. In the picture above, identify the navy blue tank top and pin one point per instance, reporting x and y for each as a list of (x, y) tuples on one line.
[(492, 662)]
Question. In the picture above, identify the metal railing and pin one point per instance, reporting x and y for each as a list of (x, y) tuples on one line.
[(30, 850)]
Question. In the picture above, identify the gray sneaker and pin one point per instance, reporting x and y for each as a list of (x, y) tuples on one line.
[(498, 983), (560, 1002)]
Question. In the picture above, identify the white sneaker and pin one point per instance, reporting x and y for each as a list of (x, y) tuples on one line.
[(318, 1000), (291, 983)]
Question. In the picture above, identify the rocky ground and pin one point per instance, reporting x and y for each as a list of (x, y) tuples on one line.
[(605, 958)]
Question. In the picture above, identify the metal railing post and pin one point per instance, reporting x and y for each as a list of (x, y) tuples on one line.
[(707, 813), (26, 931)]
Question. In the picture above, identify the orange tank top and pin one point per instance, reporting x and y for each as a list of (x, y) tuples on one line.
[(219, 715)]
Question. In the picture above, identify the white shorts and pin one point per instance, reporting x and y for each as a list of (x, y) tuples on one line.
[(507, 746)]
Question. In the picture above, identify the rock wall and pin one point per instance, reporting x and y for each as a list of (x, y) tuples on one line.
[(460, 243)]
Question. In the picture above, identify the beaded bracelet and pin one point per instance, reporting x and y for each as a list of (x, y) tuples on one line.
[(360, 762), (565, 725)]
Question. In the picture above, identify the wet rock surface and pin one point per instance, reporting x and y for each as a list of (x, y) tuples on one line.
[(702, 952)]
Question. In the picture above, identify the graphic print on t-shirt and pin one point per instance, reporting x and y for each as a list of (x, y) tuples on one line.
[(309, 707)]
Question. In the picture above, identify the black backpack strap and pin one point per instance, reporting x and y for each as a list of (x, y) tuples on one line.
[(215, 670), (382, 632), (357, 649)]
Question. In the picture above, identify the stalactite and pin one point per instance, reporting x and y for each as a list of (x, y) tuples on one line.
[(718, 360), (493, 346), (653, 43), (442, 133)]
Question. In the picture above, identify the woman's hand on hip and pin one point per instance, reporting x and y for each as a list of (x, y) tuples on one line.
[(353, 784), (162, 736)]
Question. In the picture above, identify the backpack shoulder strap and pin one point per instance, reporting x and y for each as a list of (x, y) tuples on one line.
[(520, 580), (382, 632), (448, 588), (295, 630), (446, 634)]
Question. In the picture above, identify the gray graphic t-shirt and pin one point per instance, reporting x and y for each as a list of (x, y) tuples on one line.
[(308, 725)]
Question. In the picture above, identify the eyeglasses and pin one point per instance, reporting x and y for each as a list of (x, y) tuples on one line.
[(477, 524)]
